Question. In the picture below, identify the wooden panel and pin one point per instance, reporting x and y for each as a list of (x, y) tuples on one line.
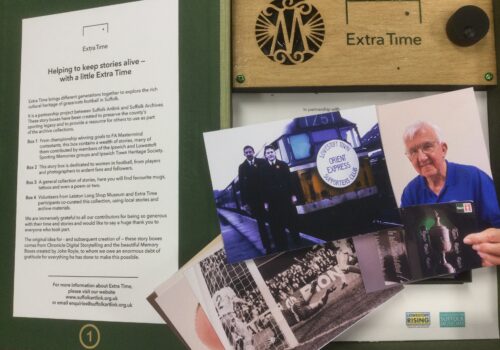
[(365, 43)]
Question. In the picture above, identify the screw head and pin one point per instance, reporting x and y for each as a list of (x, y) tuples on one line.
[(240, 78), (488, 76)]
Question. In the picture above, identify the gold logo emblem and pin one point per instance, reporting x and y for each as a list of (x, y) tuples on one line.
[(290, 31)]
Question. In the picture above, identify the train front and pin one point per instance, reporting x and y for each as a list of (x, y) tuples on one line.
[(299, 146)]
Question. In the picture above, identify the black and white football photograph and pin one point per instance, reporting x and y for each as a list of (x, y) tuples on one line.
[(240, 307), (319, 291)]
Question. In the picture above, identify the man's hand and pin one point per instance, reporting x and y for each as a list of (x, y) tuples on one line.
[(266, 206), (487, 245), (294, 199)]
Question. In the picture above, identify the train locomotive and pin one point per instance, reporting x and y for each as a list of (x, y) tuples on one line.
[(324, 209)]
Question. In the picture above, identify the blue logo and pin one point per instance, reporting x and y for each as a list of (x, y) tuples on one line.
[(452, 319)]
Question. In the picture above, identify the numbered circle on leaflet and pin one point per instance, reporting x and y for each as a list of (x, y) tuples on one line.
[(89, 336)]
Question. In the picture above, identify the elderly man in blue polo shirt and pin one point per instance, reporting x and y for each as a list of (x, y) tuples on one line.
[(440, 181)]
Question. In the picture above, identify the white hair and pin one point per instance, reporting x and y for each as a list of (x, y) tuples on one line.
[(414, 128)]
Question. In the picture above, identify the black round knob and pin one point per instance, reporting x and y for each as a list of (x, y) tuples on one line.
[(467, 25)]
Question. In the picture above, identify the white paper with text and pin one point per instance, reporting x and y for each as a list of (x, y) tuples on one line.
[(97, 200)]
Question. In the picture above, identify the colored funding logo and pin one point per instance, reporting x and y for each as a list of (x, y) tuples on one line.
[(418, 319), (290, 31), (452, 319), (337, 163)]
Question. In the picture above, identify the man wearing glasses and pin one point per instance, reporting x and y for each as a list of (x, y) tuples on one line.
[(440, 181)]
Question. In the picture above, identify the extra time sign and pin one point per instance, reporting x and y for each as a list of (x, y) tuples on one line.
[(328, 43)]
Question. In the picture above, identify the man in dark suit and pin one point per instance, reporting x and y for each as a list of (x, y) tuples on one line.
[(279, 199), (249, 175)]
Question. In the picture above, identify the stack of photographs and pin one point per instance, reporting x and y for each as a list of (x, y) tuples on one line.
[(324, 217), (302, 299), (295, 183)]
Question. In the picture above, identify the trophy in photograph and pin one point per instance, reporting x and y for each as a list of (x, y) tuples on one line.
[(441, 244)]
